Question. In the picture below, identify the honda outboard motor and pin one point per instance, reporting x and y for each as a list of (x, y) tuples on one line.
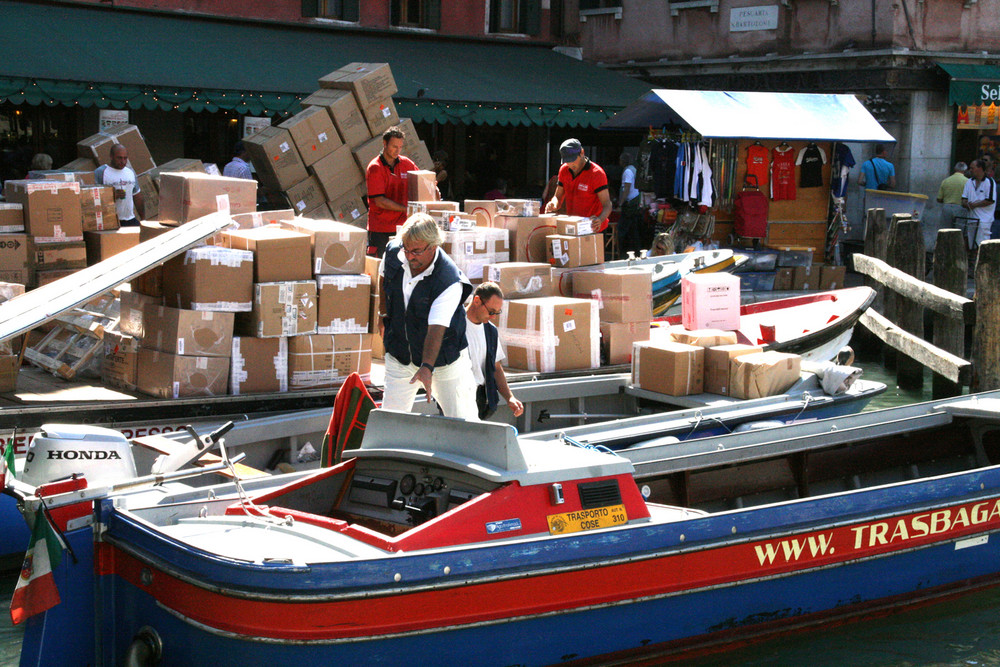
[(58, 451)]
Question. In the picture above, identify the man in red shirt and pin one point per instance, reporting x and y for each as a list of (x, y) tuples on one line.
[(583, 185), (388, 190)]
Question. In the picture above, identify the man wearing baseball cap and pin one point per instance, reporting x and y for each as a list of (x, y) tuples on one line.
[(582, 186)]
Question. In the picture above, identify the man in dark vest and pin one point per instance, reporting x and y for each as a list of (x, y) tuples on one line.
[(422, 322), (485, 351)]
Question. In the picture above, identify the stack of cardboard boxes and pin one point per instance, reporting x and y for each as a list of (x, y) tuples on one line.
[(788, 268)]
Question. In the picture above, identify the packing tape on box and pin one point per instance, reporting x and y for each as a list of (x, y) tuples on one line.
[(343, 326), (221, 306), (51, 186), (345, 281), (216, 256)]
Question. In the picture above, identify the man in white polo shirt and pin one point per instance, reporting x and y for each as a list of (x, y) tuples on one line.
[(120, 176), (980, 197)]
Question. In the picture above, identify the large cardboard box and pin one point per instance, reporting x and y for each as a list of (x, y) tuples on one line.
[(52, 212), (832, 277), (522, 207), (209, 278), (571, 251), (527, 236), (15, 259), (150, 283), (47, 256), (699, 337), (668, 368), (617, 339), (187, 332), (433, 207), (521, 280), (187, 196), (10, 366), (338, 173), (312, 133), (102, 245), (574, 225), (485, 211), (169, 375), (321, 361), (131, 307), (710, 301), (380, 116), (280, 309), (306, 196), (718, 365), (763, 374), (337, 248), (551, 333), (273, 153), (258, 365), (370, 82), (97, 147), (150, 196), (344, 303), (46, 276), (80, 164), (343, 109), (350, 209), (97, 207), (261, 218), (783, 278), (422, 156), (423, 185), (121, 361), (622, 295), (81, 177), (806, 278), (11, 218), (472, 249), (279, 255), (366, 152)]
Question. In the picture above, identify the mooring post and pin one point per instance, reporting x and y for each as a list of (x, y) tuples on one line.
[(950, 273), (865, 343), (907, 251), (986, 333)]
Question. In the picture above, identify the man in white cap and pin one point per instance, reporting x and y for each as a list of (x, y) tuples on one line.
[(582, 186)]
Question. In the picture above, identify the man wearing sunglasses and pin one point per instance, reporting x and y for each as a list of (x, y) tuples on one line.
[(485, 352), (422, 322)]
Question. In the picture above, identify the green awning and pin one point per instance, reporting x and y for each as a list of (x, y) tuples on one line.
[(101, 56), (972, 84)]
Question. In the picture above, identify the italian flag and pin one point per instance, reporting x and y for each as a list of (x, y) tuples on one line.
[(36, 587), (7, 462)]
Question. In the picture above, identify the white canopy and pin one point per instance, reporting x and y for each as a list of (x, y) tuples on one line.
[(746, 115)]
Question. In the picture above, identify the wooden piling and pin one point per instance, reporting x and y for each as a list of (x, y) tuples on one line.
[(864, 342), (950, 271), (985, 339), (907, 254)]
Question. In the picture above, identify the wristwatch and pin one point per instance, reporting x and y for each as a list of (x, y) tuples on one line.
[(428, 366)]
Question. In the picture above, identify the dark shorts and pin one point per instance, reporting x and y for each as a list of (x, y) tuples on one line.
[(377, 242), (134, 222)]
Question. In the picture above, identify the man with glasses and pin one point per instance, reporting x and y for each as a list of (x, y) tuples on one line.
[(422, 322), (485, 351)]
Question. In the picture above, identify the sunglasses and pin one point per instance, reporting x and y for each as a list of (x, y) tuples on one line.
[(493, 313)]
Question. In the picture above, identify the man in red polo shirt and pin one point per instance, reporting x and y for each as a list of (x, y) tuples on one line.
[(583, 185), (388, 190)]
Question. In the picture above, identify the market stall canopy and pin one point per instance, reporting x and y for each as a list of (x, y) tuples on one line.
[(93, 55), (972, 84), (752, 115)]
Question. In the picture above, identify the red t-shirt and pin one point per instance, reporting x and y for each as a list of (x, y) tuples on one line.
[(391, 182), (580, 191)]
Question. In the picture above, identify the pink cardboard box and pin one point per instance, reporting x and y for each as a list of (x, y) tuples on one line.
[(710, 301)]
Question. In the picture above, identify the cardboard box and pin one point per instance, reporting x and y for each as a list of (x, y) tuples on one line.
[(312, 133), (422, 156), (783, 278), (349, 209), (280, 309), (520, 207), (806, 278), (573, 225), (366, 152), (343, 110), (46, 276), (187, 332), (521, 280), (15, 259), (100, 219), (618, 338), (380, 116), (274, 155), (279, 255), (344, 304), (121, 361), (485, 211), (306, 196), (551, 333), (571, 251), (10, 367), (102, 245), (96, 196), (81, 177), (832, 277), (423, 185), (10, 290), (52, 212), (187, 196), (528, 236), (370, 82), (338, 173), (472, 249), (698, 337), (261, 218), (259, 365), (674, 369), (11, 218), (710, 301), (337, 248), (131, 307), (47, 256), (763, 374), (80, 164), (169, 375), (718, 365), (97, 147), (150, 197), (433, 208), (321, 361), (186, 164), (622, 295), (209, 278)]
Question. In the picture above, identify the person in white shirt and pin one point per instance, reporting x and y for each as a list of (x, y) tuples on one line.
[(630, 204), (485, 352), (122, 178), (238, 167), (980, 197)]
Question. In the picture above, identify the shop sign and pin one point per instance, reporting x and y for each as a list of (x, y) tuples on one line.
[(254, 124), (753, 18), (110, 117)]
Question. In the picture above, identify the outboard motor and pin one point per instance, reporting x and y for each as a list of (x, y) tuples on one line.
[(58, 451)]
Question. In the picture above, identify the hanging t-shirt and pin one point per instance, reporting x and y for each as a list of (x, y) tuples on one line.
[(757, 165), (811, 160), (843, 160), (783, 173)]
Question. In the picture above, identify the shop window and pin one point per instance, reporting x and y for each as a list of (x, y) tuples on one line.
[(515, 16), (590, 8), (416, 14), (677, 5), (343, 10)]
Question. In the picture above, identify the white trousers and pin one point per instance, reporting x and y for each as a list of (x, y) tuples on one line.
[(452, 387)]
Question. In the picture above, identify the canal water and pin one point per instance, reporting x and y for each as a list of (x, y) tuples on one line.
[(963, 632)]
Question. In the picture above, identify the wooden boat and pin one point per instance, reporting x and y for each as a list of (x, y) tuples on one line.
[(460, 543)]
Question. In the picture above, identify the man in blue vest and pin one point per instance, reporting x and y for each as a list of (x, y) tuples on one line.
[(422, 322), (485, 351)]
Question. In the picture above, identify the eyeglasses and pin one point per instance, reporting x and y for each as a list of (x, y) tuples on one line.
[(414, 253), (493, 313)]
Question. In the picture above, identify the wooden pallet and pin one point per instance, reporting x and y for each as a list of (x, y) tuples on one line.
[(77, 336)]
